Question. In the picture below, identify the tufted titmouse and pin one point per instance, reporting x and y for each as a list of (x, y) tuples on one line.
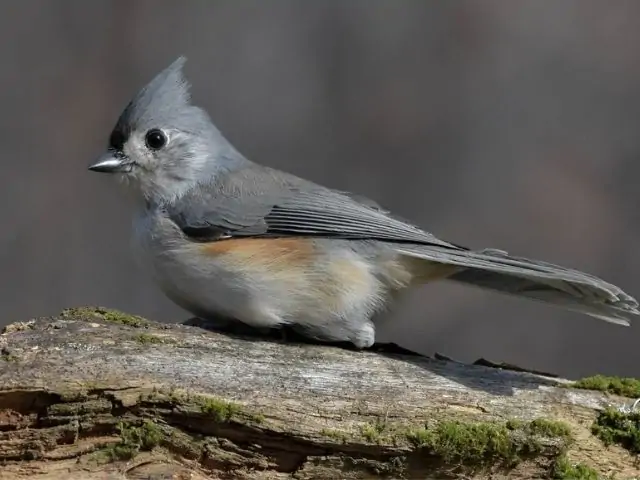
[(225, 237)]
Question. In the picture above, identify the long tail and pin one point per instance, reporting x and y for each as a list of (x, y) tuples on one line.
[(533, 279)]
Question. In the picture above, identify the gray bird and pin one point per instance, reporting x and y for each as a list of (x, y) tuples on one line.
[(227, 238)]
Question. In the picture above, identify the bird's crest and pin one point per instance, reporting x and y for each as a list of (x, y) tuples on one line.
[(163, 98)]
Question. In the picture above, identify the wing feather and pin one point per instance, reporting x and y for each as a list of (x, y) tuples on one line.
[(258, 201)]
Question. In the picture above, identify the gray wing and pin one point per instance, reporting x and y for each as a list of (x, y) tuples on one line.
[(258, 201)]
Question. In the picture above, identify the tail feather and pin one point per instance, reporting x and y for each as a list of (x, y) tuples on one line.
[(533, 279)]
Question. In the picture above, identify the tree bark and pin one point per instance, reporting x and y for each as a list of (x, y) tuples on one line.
[(99, 394)]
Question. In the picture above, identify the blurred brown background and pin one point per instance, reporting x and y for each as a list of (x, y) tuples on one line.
[(512, 125)]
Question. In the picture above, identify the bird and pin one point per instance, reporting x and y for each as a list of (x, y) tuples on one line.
[(225, 237)]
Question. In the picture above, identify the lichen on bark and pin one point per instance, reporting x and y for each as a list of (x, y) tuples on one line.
[(94, 391)]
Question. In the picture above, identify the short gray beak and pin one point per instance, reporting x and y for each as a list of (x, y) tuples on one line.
[(110, 163)]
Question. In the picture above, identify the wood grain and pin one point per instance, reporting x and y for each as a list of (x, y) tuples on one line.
[(299, 411)]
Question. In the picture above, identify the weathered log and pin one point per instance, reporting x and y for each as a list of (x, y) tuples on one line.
[(97, 394)]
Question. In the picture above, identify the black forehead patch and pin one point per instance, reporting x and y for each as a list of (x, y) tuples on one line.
[(119, 136)]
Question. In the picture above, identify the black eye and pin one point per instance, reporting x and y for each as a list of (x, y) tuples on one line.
[(155, 139)]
